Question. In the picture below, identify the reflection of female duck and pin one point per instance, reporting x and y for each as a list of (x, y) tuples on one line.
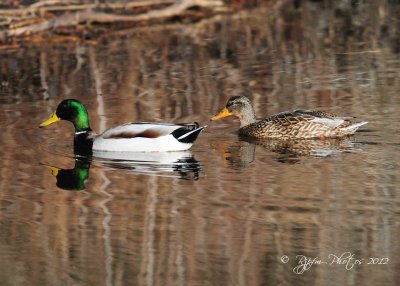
[(240, 154), (297, 124), (316, 148), (137, 137)]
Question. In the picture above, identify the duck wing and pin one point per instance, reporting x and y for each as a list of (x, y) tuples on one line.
[(288, 118), (148, 137), (304, 124), (145, 130)]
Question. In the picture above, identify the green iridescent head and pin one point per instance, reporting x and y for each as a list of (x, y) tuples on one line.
[(73, 111)]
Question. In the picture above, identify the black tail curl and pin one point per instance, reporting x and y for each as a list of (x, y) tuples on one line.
[(187, 135)]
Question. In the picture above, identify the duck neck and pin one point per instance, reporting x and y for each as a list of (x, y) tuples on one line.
[(79, 117), (247, 116), (81, 122), (83, 143)]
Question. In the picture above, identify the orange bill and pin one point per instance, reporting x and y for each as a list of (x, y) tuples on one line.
[(224, 113)]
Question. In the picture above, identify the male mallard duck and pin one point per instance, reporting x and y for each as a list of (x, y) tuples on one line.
[(135, 137), (297, 124)]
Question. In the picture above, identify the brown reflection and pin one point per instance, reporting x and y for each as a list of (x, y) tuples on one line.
[(229, 227), (243, 152), (239, 154)]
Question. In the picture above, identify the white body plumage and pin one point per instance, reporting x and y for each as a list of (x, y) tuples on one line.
[(147, 137)]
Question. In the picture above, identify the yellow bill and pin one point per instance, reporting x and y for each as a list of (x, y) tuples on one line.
[(224, 113), (54, 170), (51, 120)]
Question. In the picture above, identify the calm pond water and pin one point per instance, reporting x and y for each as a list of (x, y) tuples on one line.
[(228, 212)]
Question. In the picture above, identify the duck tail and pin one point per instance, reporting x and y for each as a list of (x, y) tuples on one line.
[(351, 129), (185, 135)]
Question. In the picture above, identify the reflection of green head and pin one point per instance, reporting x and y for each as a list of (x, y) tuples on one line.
[(72, 179)]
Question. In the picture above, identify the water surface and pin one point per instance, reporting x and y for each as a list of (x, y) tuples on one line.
[(229, 210)]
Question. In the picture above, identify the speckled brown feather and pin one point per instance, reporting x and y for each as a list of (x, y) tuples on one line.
[(297, 124)]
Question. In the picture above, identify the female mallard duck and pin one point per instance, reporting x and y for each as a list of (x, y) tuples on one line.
[(130, 137), (297, 124)]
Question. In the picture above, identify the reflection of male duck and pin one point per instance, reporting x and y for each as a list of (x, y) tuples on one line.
[(159, 164), (242, 153), (72, 179), (154, 163)]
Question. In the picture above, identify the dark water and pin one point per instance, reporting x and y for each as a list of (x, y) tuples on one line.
[(229, 211)]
